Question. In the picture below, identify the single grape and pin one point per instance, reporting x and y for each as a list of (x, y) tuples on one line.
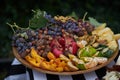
[(21, 39)]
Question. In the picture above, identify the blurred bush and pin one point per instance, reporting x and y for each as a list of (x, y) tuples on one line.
[(19, 11)]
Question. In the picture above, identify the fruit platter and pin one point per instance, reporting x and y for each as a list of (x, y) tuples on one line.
[(64, 45)]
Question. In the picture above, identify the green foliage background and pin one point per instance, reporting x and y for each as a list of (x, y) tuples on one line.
[(19, 11)]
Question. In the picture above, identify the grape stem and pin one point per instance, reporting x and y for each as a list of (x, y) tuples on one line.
[(11, 27), (19, 27), (16, 26), (84, 16)]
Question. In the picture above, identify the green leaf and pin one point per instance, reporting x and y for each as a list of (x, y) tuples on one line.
[(38, 19), (94, 22), (100, 54), (73, 14), (108, 54)]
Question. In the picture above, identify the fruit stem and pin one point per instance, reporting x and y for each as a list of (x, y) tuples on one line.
[(84, 16), (11, 27), (19, 27), (16, 26)]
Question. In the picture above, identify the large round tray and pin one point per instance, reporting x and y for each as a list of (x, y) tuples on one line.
[(27, 64)]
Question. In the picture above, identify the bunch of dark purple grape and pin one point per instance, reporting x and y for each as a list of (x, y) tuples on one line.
[(79, 28), (23, 40)]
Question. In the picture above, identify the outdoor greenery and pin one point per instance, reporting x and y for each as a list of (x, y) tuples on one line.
[(20, 11)]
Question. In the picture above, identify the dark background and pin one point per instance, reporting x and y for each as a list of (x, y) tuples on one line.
[(19, 11)]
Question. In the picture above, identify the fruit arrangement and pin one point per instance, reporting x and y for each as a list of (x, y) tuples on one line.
[(63, 44)]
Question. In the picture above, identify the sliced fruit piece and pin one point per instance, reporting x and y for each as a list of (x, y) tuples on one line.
[(112, 45), (87, 59), (71, 45), (62, 41), (105, 50), (74, 47), (81, 66), (59, 69), (96, 54), (71, 66), (101, 60), (71, 56), (95, 45), (80, 53), (81, 43), (88, 51), (57, 52), (92, 51), (91, 64), (35, 55), (64, 58), (97, 29), (33, 61), (51, 56)]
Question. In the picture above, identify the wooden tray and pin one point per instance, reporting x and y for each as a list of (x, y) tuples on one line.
[(27, 64)]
